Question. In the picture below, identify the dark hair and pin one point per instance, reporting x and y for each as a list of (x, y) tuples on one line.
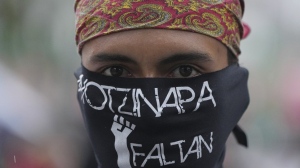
[(232, 59)]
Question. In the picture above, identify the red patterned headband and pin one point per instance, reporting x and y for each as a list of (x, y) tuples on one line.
[(220, 19)]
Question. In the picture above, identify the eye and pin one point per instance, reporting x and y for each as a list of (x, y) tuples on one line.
[(116, 71), (185, 71)]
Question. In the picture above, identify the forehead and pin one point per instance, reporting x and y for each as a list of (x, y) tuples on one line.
[(153, 42)]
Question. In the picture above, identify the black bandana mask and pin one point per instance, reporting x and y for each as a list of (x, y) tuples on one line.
[(162, 122)]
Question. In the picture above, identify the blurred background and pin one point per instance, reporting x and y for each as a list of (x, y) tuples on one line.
[(40, 121)]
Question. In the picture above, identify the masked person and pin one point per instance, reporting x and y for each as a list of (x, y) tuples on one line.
[(160, 84)]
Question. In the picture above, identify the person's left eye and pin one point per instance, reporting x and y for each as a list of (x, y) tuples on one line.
[(184, 71)]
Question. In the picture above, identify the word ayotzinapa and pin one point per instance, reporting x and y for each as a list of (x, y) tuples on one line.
[(175, 97)]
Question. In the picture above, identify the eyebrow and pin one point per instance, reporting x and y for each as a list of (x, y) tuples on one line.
[(104, 57), (194, 56)]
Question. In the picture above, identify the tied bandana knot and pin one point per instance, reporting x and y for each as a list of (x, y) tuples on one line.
[(162, 122), (220, 19)]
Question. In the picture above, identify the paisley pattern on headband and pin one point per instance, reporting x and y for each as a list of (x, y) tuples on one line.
[(213, 2), (184, 5), (206, 23), (113, 7), (220, 19), (85, 7), (148, 15), (94, 25)]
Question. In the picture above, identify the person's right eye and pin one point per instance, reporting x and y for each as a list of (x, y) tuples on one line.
[(116, 71)]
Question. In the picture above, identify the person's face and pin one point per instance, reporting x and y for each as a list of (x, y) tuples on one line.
[(154, 53)]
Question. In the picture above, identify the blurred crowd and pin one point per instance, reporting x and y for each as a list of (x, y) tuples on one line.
[(40, 121)]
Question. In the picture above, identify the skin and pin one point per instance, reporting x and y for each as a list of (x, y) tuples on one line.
[(148, 53)]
